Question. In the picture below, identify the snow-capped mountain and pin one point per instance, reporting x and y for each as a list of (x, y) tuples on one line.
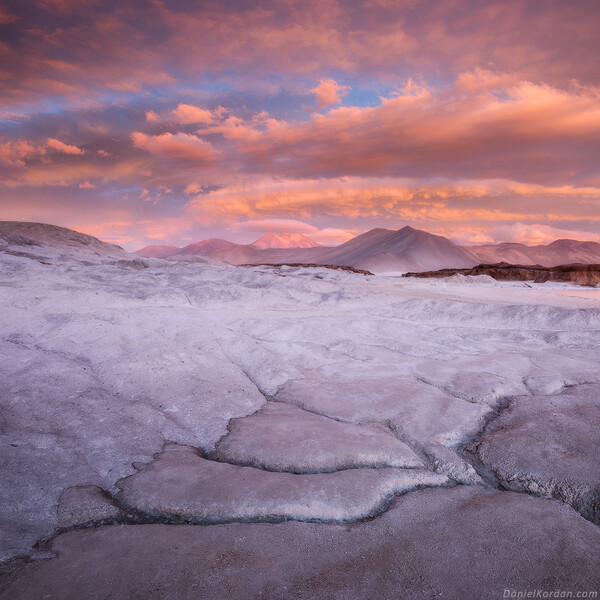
[(284, 240)]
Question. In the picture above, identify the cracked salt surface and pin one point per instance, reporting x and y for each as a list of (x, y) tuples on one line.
[(180, 484), (375, 385), (465, 542)]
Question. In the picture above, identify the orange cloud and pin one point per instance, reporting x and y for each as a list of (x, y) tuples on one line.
[(509, 137), (488, 126), (423, 202)]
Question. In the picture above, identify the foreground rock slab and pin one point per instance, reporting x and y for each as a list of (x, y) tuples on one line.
[(283, 437), (421, 414), (548, 446), (180, 484), (465, 542)]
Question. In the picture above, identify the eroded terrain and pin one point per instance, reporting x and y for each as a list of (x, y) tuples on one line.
[(163, 421)]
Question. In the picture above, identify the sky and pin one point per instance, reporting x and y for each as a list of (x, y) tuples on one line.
[(168, 122)]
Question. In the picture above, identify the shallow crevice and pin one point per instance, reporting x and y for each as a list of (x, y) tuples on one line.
[(467, 450), (400, 435), (491, 403), (309, 410), (324, 471)]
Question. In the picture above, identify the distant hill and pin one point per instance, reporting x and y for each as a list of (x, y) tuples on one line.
[(229, 251), (158, 251), (284, 240), (202, 248), (42, 241), (385, 251), (208, 247), (559, 252)]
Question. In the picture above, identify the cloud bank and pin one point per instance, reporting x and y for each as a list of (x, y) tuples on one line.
[(149, 122)]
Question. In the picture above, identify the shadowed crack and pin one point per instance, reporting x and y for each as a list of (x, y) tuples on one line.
[(552, 452), (468, 449)]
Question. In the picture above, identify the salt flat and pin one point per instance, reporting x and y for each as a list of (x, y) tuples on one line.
[(138, 394)]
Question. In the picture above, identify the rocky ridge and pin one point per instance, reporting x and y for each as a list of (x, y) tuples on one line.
[(587, 275)]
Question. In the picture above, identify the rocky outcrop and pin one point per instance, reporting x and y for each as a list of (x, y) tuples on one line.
[(580, 274)]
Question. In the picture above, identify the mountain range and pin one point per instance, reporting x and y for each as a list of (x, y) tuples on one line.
[(380, 251), (384, 251)]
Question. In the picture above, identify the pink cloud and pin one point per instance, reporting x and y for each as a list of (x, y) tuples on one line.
[(332, 236), (114, 232), (152, 116), (536, 233), (62, 147), (6, 17), (329, 92), (525, 129), (180, 146), (188, 114), (192, 188), (86, 185), (327, 236), (274, 225), (127, 51), (13, 151)]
